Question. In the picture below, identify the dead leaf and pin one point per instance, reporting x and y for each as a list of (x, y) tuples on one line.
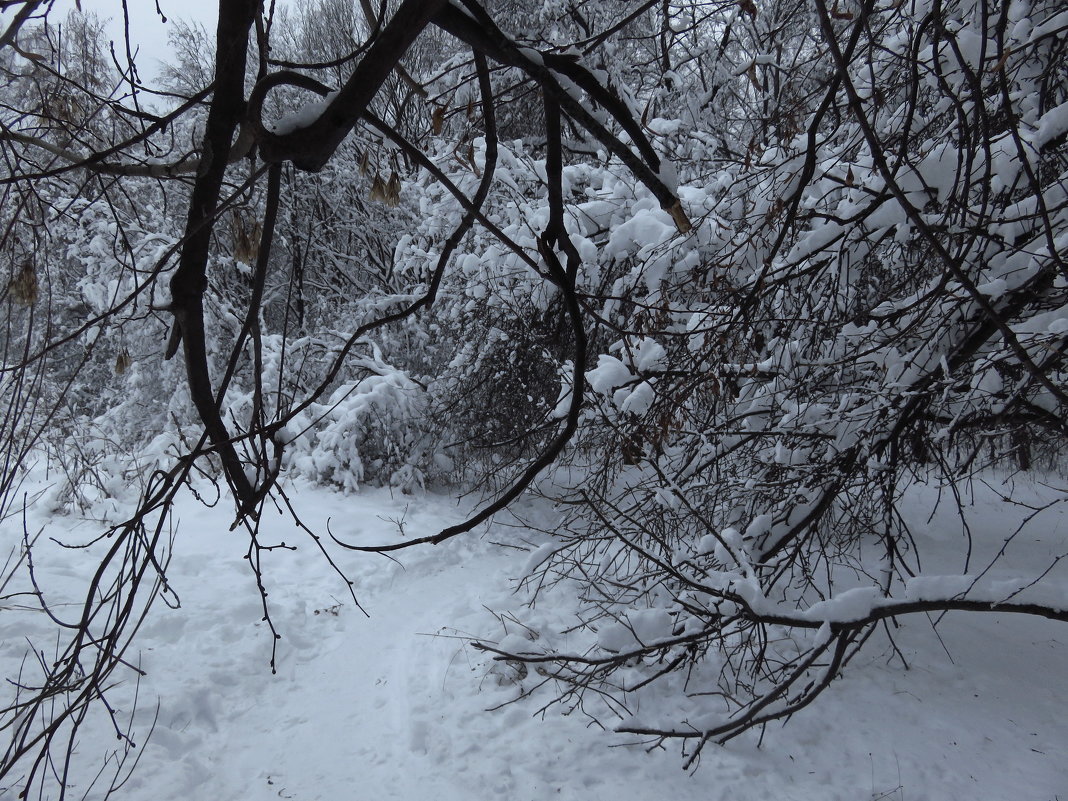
[(123, 361), (378, 189), (23, 287), (392, 190)]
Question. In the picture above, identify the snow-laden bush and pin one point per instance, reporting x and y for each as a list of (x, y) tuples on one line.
[(367, 429), (875, 290), (754, 268)]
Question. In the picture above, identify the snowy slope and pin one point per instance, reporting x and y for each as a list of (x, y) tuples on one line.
[(391, 706)]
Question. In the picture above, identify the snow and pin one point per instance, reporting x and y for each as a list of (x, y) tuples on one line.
[(303, 117), (609, 373), (1050, 26), (927, 588), (393, 705), (1053, 123), (816, 240), (532, 56), (854, 604), (644, 627), (650, 355), (642, 233), (668, 173), (639, 400)]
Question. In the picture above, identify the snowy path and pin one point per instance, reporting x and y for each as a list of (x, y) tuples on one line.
[(380, 708)]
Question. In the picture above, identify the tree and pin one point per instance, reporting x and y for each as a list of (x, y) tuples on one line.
[(745, 288), (872, 301)]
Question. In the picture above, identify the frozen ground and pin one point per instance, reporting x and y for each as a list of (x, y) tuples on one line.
[(391, 706)]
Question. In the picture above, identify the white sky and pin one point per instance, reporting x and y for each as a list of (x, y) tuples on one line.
[(147, 31)]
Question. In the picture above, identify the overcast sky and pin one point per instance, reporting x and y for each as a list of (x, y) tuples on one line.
[(147, 29)]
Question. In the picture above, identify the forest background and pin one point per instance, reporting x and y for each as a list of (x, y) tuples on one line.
[(720, 283)]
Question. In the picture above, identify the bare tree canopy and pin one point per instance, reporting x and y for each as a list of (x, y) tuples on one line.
[(718, 279)]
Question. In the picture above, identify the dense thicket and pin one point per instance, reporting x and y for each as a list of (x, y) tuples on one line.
[(719, 278)]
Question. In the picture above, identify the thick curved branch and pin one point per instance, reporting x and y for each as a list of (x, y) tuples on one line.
[(554, 236), (374, 20), (480, 32), (310, 147), (190, 279)]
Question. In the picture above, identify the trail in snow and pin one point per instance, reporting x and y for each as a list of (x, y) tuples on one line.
[(391, 706)]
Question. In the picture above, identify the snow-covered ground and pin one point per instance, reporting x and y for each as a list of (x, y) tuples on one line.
[(392, 704)]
